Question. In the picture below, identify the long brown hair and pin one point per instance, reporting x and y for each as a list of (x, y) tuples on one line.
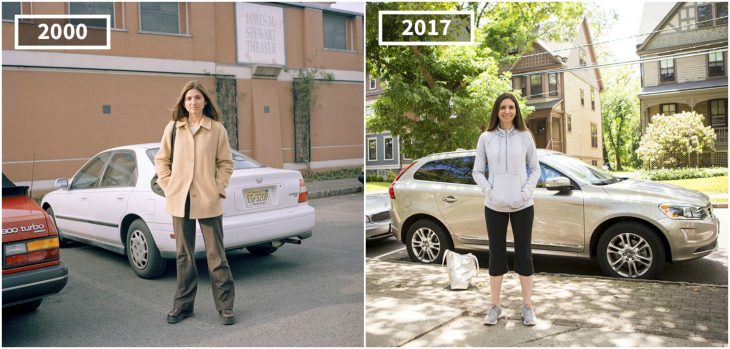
[(210, 109), (518, 122)]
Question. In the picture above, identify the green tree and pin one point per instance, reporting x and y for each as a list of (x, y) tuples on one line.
[(671, 139), (620, 115), (438, 98)]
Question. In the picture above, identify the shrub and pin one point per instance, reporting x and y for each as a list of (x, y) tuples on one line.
[(390, 177), (374, 178), (670, 139), (683, 173), (331, 174)]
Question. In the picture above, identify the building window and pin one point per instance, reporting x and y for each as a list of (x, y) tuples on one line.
[(583, 58), (93, 8), (666, 70), (372, 149), (388, 148), (518, 83), (593, 99), (535, 85), (160, 17), (373, 83), (582, 98), (721, 11), (594, 135), (368, 110), (570, 123), (553, 84), (704, 16), (718, 112), (335, 31), (594, 162), (716, 64), (10, 9), (668, 109)]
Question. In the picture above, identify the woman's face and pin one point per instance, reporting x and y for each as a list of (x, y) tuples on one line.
[(507, 112), (194, 101)]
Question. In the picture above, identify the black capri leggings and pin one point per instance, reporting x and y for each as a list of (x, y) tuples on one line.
[(497, 232)]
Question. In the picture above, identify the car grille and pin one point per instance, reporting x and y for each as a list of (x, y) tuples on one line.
[(381, 216)]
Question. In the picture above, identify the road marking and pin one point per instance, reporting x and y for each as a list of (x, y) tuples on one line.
[(389, 253)]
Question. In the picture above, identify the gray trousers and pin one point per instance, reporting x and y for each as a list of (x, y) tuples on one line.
[(221, 278)]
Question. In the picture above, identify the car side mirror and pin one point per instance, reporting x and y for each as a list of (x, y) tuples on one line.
[(61, 183), (558, 183)]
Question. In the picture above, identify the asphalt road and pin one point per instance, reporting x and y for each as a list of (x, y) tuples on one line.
[(712, 269), (302, 295)]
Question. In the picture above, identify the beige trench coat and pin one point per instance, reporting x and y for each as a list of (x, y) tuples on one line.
[(201, 165)]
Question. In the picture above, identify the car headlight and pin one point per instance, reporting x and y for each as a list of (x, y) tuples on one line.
[(367, 219), (683, 211)]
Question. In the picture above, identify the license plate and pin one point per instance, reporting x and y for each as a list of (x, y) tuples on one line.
[(257, 197)]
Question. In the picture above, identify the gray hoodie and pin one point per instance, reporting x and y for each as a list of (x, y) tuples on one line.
[(510, 184)]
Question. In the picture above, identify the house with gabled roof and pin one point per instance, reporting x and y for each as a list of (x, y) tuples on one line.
[(562, 83), (684, 67)]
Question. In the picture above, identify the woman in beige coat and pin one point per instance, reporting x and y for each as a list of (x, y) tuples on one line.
[(194, 180)]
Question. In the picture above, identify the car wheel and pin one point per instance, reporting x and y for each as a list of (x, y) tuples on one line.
[(261, 250), (26, 307), (61, 240), (427, 242), (142, 252), (630, 250)]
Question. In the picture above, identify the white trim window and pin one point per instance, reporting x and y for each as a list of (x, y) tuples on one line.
[(389, 150), (373, 83), (666, 70), (372, 149), (716, 64)]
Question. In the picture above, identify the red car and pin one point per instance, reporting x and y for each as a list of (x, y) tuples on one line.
[(32, 268)]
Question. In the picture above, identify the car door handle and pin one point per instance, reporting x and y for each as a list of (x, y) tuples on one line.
[(121, 197), (449, 199), (83, 198)]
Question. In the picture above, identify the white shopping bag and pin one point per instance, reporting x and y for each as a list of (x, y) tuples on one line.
[(462, 268)]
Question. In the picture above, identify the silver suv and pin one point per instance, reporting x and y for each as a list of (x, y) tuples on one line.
[(631, 227)]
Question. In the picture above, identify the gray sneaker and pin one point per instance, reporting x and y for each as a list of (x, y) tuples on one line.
[(493, 315), (528, 316)]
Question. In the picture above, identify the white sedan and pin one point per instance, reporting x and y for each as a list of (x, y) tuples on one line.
[(108, 203)]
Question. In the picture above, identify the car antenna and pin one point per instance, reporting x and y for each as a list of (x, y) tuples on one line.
[(32, 173)]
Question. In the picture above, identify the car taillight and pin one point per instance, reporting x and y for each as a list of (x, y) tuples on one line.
[(390, 188), (31, 252), (302, 191)]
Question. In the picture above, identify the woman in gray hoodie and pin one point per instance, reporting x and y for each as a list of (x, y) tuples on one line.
[(506, 153)]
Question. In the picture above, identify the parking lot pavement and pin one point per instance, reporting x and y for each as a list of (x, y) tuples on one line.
[(302, 295), (411, 305)]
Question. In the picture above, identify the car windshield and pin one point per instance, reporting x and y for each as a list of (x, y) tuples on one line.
[(240, 161), (582, 171)]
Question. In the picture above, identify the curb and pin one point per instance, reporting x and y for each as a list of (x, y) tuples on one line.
[(333, 192), (597, 277)]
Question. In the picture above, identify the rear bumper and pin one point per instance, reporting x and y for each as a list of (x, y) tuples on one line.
[(33, 284), (248, 229)]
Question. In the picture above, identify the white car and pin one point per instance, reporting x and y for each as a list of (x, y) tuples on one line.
[(108, 203)]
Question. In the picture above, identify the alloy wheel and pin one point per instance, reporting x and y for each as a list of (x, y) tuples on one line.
[(629, 255), (426, 244)]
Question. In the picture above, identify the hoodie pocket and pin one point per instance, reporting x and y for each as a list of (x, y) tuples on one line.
[(506, 193)]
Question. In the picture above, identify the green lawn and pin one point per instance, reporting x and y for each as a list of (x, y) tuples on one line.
[(375, 187), (715, 187)]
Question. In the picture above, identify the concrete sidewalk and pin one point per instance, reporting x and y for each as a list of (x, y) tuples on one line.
[(412, 305)]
